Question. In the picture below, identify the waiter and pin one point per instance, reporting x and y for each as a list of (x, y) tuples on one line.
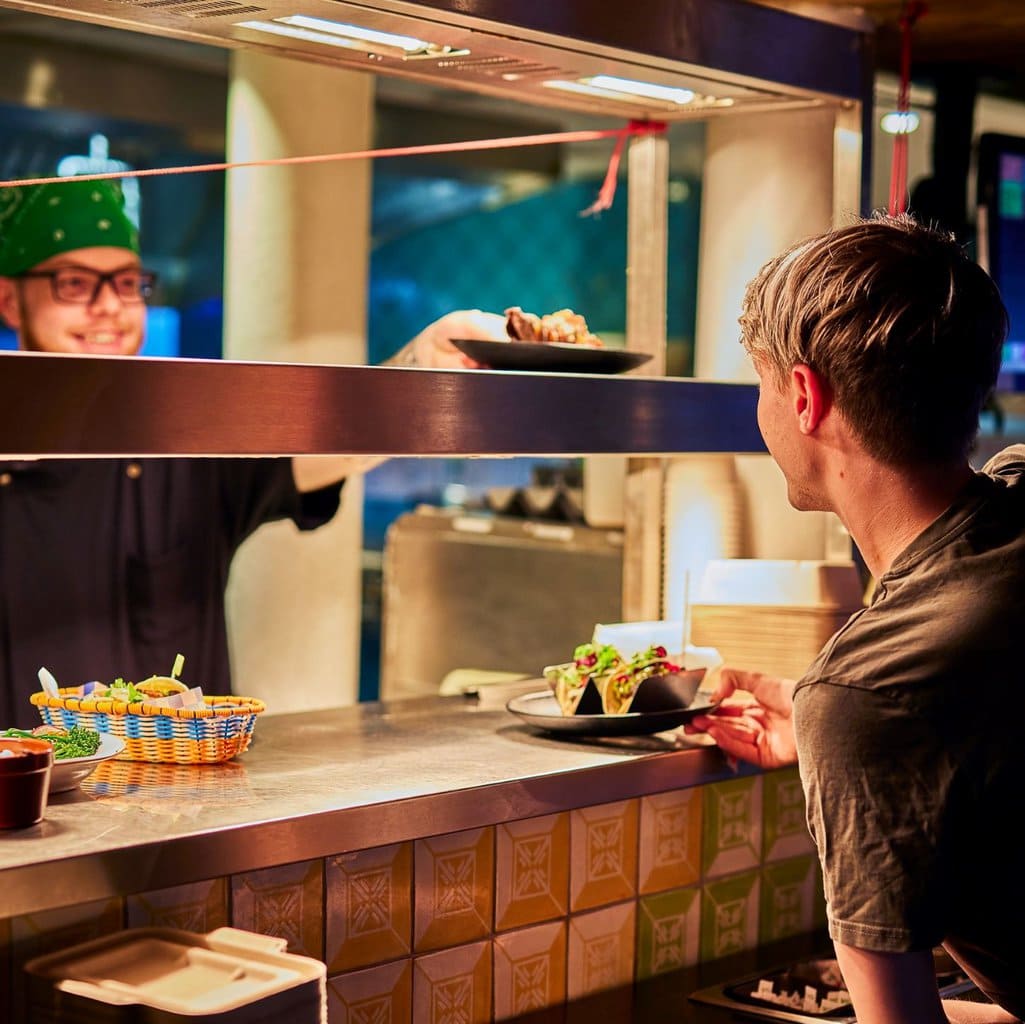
[(110, 567)]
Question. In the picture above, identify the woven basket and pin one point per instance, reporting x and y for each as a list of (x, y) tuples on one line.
[(208, 734)]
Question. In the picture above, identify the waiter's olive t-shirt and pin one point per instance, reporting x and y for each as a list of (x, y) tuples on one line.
[(909, 727), (110, 567)]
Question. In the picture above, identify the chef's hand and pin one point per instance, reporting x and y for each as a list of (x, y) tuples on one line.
[(433, 347), (756, 725)]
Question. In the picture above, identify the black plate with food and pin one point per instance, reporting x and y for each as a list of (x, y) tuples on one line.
[(542, 711), (552, 356)]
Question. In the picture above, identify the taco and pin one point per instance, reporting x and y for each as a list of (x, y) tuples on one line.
[(578, 684), (622, 684), (160, 686)]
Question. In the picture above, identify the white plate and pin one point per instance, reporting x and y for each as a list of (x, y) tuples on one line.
[(70, 771)]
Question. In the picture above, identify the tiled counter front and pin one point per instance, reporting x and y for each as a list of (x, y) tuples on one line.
[(492, 922)]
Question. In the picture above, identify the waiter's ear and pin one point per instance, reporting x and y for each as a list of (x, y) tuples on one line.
[(10, 308), (811, 396)]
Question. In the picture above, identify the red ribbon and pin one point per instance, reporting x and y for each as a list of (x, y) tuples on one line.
[(607, 191), (899, 167)]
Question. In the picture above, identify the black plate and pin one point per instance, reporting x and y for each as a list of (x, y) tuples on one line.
[(549, 355), (542, 710)]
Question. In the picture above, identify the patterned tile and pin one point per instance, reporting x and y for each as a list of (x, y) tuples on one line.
[(603, 854), (601, 950), (784, 816), (530, 969), (668, 931), (531, 870), (729, 916), (454, 986), (669, 856), (198, 907), (53, 931), (788, 900), (732, 826), (378, 995), (454, 888), (368, 915), (286, 902)]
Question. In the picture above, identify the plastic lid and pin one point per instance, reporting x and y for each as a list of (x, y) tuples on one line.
[(24, 755)]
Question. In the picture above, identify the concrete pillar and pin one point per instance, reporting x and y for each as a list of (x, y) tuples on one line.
[(769, 180), (296, 269)]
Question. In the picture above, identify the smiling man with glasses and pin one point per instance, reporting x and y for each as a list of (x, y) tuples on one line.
[(70, 275)]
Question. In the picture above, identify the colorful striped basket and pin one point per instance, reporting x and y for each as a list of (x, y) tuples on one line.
[(216, 731)]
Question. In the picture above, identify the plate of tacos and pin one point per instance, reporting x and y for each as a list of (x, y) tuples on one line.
[(602, 692)]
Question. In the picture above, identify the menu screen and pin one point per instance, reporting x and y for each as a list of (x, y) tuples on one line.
[(1001, 202), (1009, 263)]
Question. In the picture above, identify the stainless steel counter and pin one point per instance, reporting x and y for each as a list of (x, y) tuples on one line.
[(319, 783)]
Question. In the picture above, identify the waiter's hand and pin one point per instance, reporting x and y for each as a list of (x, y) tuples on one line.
[(433, 347), (756, 725)]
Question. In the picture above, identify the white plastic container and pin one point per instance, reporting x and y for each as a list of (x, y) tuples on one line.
[(166, 976)]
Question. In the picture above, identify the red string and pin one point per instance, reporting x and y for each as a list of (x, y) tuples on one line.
[(607, 191), (603, 202), (899, 167)]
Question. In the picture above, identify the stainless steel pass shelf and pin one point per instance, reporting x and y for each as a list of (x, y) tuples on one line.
[(58, 405)]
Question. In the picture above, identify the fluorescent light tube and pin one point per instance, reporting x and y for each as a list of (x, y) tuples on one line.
[(648, 90), (352, 37), (410, 44)]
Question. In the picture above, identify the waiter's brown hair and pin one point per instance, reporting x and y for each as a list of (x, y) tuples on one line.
[(904, 328)]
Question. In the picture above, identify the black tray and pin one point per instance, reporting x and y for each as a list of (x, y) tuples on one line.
[(553, 356)]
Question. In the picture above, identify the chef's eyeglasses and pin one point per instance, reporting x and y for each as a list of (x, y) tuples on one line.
[(81, 286)]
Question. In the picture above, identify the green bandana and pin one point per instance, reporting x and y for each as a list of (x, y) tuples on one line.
[(40, 221)]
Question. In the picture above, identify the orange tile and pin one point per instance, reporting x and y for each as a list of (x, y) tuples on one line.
[(453, 889), (369, 916), (669, 855), (600, 950), (453, 986), (197, 907), (530, 969), (372, 996), (286, 902), (531, 870), (603, 854)]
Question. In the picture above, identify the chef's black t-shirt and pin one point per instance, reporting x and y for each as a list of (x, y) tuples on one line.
[(111, 567)]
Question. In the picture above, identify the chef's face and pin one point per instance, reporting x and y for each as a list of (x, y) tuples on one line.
[(77, 312)]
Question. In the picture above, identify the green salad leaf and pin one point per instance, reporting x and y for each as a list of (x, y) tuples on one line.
[(77, 742)]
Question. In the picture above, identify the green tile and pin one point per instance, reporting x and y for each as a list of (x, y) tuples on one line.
[(668, 931), (732, 835), (784, 817), (729, 915), (788, 898)]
